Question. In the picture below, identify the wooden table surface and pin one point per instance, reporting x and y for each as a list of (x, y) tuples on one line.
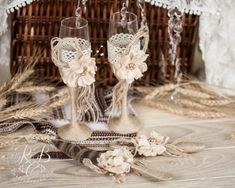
[(213, 167)]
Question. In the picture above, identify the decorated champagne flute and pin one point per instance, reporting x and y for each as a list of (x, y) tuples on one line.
[(128, 64), (71, 52)]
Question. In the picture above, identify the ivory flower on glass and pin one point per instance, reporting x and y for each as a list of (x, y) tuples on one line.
[(118, 161), (79, 72), (131, 66), (147, 148)]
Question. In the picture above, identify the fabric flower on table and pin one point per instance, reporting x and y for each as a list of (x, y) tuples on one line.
[(158, 138), (131, 66), (152, 146), (79, 72), (118, 161)]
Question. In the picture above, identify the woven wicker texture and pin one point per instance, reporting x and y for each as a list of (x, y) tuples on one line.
[(34, 25)]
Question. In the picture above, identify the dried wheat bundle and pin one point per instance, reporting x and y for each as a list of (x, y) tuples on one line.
[(193, 99), (31, 109)]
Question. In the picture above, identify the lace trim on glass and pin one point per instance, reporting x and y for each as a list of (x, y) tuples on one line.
[(117, 46)]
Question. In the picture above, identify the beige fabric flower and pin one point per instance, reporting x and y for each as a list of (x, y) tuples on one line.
[(147, 147), (79, 72), (131, 66), (158, 138), (117, 161)]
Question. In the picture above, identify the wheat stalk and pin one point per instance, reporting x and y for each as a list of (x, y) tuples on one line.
[(29, 110), (41, 137), (218, 102), (18, 106), (28, 83), (3, 102), (145, 90), (193, 93), (35, 89), (185, 112), (160, 90), (62, 92), (4, 87), (18, 80), (190, 103), (61, 101)]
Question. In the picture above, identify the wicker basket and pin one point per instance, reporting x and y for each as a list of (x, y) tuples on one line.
[(34, 25)]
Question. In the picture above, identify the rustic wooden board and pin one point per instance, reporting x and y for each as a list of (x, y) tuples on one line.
[(214, 167)]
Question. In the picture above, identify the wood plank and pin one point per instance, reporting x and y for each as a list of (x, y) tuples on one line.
[(207, 165)]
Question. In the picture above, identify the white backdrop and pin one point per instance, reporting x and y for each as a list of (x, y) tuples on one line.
[(217, 42)]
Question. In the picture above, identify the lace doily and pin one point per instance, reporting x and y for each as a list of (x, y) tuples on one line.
[(196, 7)]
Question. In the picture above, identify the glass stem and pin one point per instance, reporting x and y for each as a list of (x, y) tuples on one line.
[(124, 111), (73, 95)]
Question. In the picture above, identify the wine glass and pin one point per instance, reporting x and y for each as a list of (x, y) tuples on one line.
[(74, 31), (122, 28)]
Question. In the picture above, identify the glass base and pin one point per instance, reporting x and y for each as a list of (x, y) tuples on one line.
[(75, 133), (127, 125)]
